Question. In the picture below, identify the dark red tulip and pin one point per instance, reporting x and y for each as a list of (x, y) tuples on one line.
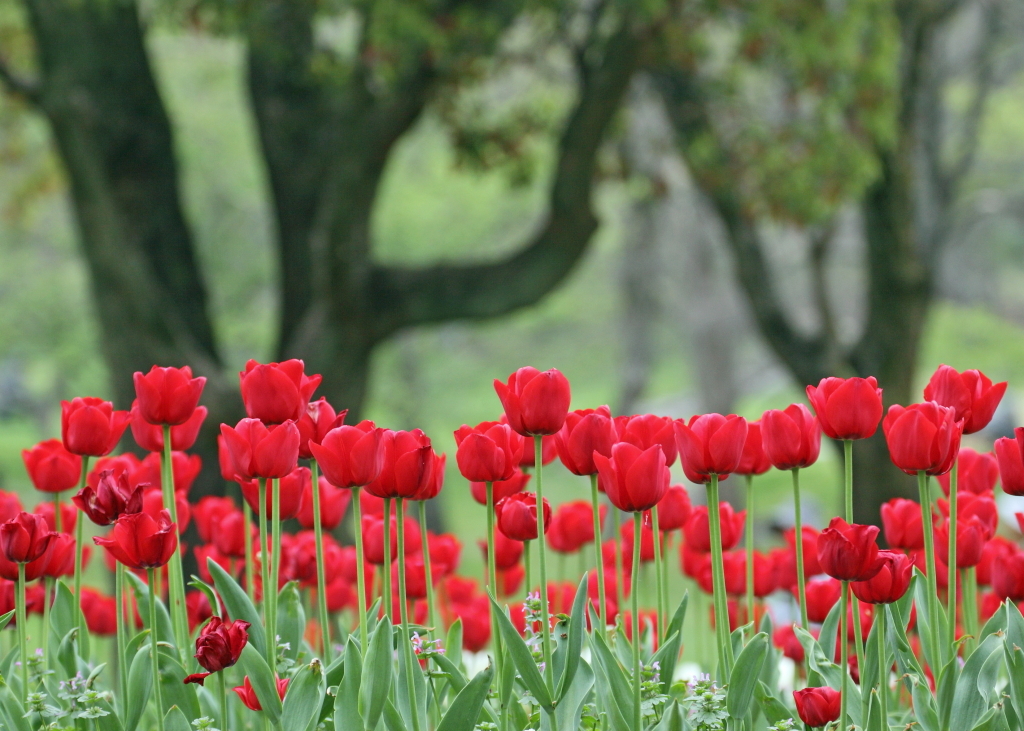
[(791, 438), (230, 538), (407, 467), (535, 402), (33, 569), (810, 546), (847, 408), (276, 392), (153, 503), (60, 556), (977, 472), (219, 646), (674, 509), (710, 444), (971, 393), (971, 536), (1010, 455), (351, 456), (318, 418), (292, 486), (754, 460), (822, 595), (633, 479), (981, 506), (260, 451), (817, 706), (488, 452), (51, 467), (901, 520), (992, 556), (25, 537), (507, 551), (572, 526), (548, 452), (68, 516), (1008, 580), (500, 489), (90, 426), (785, 639), (208, 513), (890, 583), (333, 504), (140, 542), (848, 552), (476, 622), (585, 432), (248, 695), (698, 528), (111, 497), (445, 550), (646, 430), (100, 612), (517, 516), (151, 436), (922, 437), (167, 395)]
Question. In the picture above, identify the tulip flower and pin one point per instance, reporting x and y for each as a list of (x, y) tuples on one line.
[(971, 393), (549, 451), (199, 610), (333, 503), (969, 505), (754, 460), (407, 466), (100, 612), (90, 426), (822, 595), (151, 436), (584, 433), (476, 622), (276, 392), (25, 538), (977, 472), (698, 530), (291, 488), (971, 536), (488, 452), (444, 551), (219, 646), (674, 508), (922, 437), (517, 516), (373, 536), (140, 542), (167, 395), (208, 513), (317, 419), (51, 467), (711, 444), (248, 695), (507, 551), (634, 480), (535, 403), (847, 408), (848, 552), (572, 526), (784, 638), (647, 430), (901, 523), (1008, 581), (231, 537), (817, 706), (186, 468), (1010, 456), (60, 557), (68, 516), (791, 438), (260, 451), (127, 463), (111, 497), (992, 556), (890, 583)]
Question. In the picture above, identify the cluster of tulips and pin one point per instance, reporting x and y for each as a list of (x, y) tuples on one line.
[(883, 637)]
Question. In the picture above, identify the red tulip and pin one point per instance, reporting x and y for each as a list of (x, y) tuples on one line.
[(971, 393), (373, 538), (646, 543), (785, 639), (791, 438), (167, 395), (535, 402), (817, 706), (585, 432), (25, 537), (33, 569), (476, 622), (517, 516), (230, 538), (646, 430), (153, 503), (981, 506), (151, 436), (10, 506), (784, 567), (822, 595), (430, 489), (692, 562), (507, 551), (415, 576), (754, 460), (488, 452), (548, 451), (460, 589), (901, 520), (511, 579), (219, 646), (290, 491), (890, 583), (349, 568), (810, 546), (51, 467), (698, 528), (407, 467), (186, 468), (260, 451), (248, 695), (500, 489), (1008, 581), (127, 463), (100, 612), (710, 444), (208, 513), (971, 536), (1010, 455), (351, 456), (992, 557), (674, 509), (634, 480), (140, 542), (318, 418), (372, 505), (735, 564), (90, 426), (197, 605), (333, 503), (68, 516), (111, 497), (849, 552), (445, 550), (847, 408), (61, 556), (941, 570), (977, 472), (922, 437), (572, 526), (276, 392)]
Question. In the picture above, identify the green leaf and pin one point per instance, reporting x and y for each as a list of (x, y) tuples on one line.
[(463, 713), (874, 722), (679, 616), (969, 703), (996, 623), (454, 673), (671, 720), (64, 616), (1013, 655), (346, 716), (165, 632), (666, 656), (211, 595), (620, 687), (392, 718), (305, 695), (406, 706), (944, 690), (830, 630), (744, 676), (377, 674), (522, 657), (175, 720), (453, 641), (12, 710), (67, 655), (570, 708), (6, 618), (574, 644), (603, 684), (830, 672), (263, 682), (173, 689), (774, 709), (291, 619), (140, 687), (238, 606)]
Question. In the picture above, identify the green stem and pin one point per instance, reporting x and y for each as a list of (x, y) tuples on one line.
[(79, 536), (47, 594), (750, 551), (924, 491), (883, 667), (19, 605), (222, 689), (265, 570), (545, 622), (969, 580), (657, 570), (122, 640), (951, 560), (406, 632), (492, 574), (848, 478), (250, 568), (620, 578), (58, 519), (858, 648), (722, 629), (357, 515), (427, 570), (844, 652), (175, 577), (529, 566), (154, 651), (386, 568), (275, 571), (801, 580), (635, 606), (321, 583)]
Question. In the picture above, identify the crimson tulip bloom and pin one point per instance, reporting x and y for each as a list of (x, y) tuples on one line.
[(318, 418), (507, 551), (981, 506), (646, 543), (1010, 455), (407, 467), (634, 480), (140, 542), (291, 488), (646, 430), (847, 408), (25, 537), (431, 488), (151, 436), (849, 552), (51, 467), (992, 556), (208, 513), (476, 623), (167, 395), (198, 608), (822, 595), (810, 546), (100, 612), (535, 403), (488, 452), (922, 437), (60, 557), (230, 538), (260, 451), (548, 451), (127, 463), (186, 468), (68, 516), (90, 426), (572, 526), (735, 565), (276, 392), (901, 521), (517, 516), (500, 489), (219, 646), (674, 509), (791, 438), (784, 638), (333, 504), (971, 536), (754, 460), (351, 456), (415, 576), (111, 497), (698, 528), (710, 444), (817, 706), (248, 695), (971, 393), (444, 550), (977, 472), (10, 506), (890, 583), (585, 432), (153, 503), (1008, 581), (373, 538)]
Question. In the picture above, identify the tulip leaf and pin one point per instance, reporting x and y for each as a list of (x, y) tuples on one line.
[(140, 686), (12, 710), (64, 616), (774, 710), (173, 689), (66, 655), (744, 676), (165, 631), (829, 632), (989, 721), (574, 643), (418, 704), (464, 712), (679, 616), (453, 641), (570, 707), (924, 622), (262, 681), (604, 681), (906, 661), (620, 687), (830, 672), (874, 716), (522, 657), (944, 690), (392, 718), (211, 595), (455, 676), (996, 623), (666, 657), (175, 720), (305, 695), (969, 702), (672, 719), (6, 618), (291, 619), (346, 703), (377, 674), (238, 605), (1013, 655)]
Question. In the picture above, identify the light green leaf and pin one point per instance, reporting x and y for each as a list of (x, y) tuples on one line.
[(463, 713), (574, 644), (140, 686), (522, 657), (175, 720), (774, 709), (173, 689), (666, 657), (305, 695), (392, 718), (346, 717), (672, 719), (969, 703), (291, 619), (744, 676), (211, 595), (679, 616), (377, 673), (620, 687), (238, 606), (263, 682), (165, 631), (12, 710), (570, 708)]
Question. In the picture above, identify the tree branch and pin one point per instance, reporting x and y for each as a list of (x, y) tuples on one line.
[(28, 90)]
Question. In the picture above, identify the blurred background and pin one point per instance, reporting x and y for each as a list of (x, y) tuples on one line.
[(685, 206)]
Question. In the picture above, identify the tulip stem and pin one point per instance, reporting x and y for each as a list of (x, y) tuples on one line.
[(357, 515), (883, 666), (620, 577), (598, 555), (951, 560), (321, 583), (801, 580), (549, 672), (427, 569), (969, 580), (222, 688), (844, 650), (529, 568), (858, 646), (79, 528), (410, 665), (635, 606), (153, 651), (750, 552), (175, 574), (275, 576), (386, 568), (722, 629), (250, 571), (58, 519), (122, 652), (492, 574), (265, 574), (21, 619), (848, 478), (657, 570), (924, 491)]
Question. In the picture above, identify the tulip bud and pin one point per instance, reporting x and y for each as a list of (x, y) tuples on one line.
[(534, 402), (849, 552), (276, 392), (971, 393), (817, 706), (517, 516), (710, 444), (90, 426), (51, 467)]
